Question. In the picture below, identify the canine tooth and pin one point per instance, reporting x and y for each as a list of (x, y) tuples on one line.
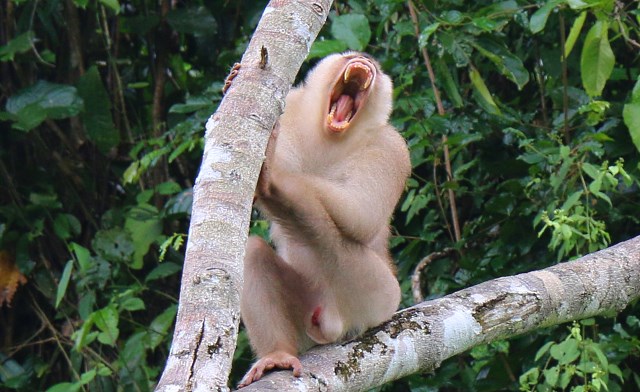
[(367, 82)]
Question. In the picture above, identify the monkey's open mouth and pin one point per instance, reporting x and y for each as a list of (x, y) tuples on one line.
[(349, 93)]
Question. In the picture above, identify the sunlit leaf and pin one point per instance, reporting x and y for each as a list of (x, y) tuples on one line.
[(482, 92), (426, 33), (353, 29), (145, 226), (114, 5), (20, 44), (597, 61), (508, 64), (106, 319), (574, 33), (539, 18), (323, 48), (631, 115), (64, 282)]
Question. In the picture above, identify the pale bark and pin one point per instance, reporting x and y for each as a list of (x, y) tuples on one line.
[(236, 137), (419, 338)]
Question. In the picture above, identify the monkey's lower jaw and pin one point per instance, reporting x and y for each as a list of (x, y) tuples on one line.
[(349, 93)]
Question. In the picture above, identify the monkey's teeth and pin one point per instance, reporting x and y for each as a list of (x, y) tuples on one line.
[(367, 82), (339, 125)]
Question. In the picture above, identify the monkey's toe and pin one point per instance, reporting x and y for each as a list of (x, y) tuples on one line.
[(275, 360)]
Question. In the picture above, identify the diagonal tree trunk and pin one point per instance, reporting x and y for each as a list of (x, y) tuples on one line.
[(419, 338), (236, 137)]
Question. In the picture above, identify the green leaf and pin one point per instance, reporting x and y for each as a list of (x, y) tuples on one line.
[(97, 114), (83, 256), (193, 20), (551, 376), (132, 304), (160, 326), (508, 64), (323, 48), (113, 4), (81, 3), (457, 45), (20, 44), (352, 29), (64, 282), (134, 351), (597, 61), (138, 24), (423, 40), (168, 188), (193, 104), (66, 226), (42, 101), (65, 387), (482, 94), (88, 376), (449, 84), (565, 352), (539, 18), (106, 319), (543, 350), (615, 370), (591, 170), (84, 336), (180, 203), (574, 33), (595, 348), (631, 115), (132, 173), (145, 226), (572, 200), (114, 245), (162, 271), (452, 16)]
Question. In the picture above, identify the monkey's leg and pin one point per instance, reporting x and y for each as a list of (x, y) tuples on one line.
[(273, 302)]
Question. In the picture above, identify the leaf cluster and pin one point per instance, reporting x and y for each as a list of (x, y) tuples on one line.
[(102, 111)]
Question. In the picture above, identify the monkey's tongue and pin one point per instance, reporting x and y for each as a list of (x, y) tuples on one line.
[(343, 108)]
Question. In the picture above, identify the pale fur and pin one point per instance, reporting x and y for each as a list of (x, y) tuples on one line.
[(329, 198)]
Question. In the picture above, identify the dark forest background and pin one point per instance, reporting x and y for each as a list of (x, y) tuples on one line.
[(102, 111)]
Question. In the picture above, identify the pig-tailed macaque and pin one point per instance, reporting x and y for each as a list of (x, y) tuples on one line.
[(333, 175)]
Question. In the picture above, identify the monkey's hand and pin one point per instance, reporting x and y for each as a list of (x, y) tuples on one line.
[(265, 174), (275, 360), (232, 74)]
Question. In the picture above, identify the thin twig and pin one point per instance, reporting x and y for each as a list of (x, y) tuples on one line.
[(436, 92), (565, 82), (416, 284)]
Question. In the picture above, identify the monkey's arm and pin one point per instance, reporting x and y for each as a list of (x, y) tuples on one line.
[(329, 210)]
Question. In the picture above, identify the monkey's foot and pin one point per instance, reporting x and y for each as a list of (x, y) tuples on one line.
[(275, 360)]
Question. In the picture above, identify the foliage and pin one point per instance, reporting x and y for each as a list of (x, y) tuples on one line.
[(102, 106), (579, 364)]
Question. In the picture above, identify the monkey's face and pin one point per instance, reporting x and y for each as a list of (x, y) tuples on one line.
[(350, 91)]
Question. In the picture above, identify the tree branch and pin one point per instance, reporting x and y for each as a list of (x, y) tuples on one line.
[(236, 138), (419, 338)]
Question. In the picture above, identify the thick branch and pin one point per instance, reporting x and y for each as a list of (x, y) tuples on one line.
[(419, 338), (236, 138)]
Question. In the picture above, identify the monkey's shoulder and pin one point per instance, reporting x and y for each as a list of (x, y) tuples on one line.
[(389, 146)]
